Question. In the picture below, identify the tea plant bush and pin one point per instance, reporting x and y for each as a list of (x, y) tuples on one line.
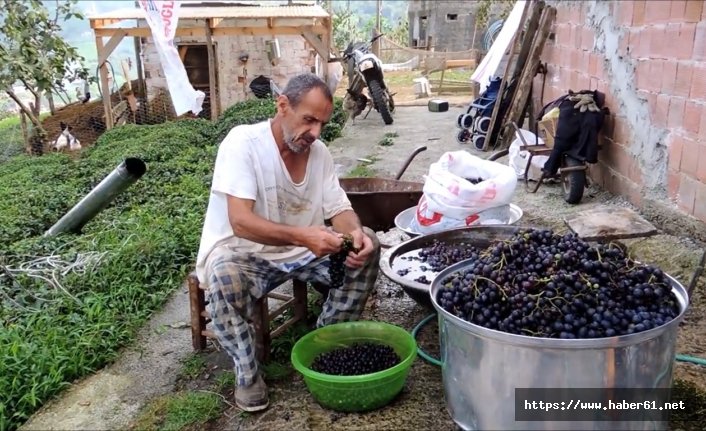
[(69, 303), (254, 110)]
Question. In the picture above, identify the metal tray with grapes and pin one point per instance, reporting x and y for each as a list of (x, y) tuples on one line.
[(404, 265)]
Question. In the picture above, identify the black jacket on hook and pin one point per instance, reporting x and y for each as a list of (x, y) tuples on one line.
[(576, 134)]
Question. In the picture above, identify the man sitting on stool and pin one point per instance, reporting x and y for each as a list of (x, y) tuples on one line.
[(274, 185)]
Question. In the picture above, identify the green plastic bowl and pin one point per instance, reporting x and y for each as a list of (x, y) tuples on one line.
[(354, 393)]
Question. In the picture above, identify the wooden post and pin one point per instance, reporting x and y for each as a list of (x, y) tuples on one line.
[(504, 82), (212, 78), (377, 30), (524, 85), (328, 42), (105, 88), (197, 303), (261, 326), (141, 87)]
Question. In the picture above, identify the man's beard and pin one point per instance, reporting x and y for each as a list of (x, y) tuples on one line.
[(292, 144)]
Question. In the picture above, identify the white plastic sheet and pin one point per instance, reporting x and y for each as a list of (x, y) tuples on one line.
[(163, 17), (489, 65)]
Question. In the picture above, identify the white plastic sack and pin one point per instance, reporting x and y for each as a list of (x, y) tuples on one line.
[(163, 17), (426, 222), (518, 160), (449, 198)]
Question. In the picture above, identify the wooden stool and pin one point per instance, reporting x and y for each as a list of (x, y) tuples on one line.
[(261, 316)]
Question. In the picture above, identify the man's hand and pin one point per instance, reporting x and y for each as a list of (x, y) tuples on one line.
[(321, 241), (364, 245)]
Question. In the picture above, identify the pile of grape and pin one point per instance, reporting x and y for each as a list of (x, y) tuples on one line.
[(357, 359), (542, 284), (337, 267)]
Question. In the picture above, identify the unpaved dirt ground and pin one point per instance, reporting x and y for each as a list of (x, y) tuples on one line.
[(421, 405)]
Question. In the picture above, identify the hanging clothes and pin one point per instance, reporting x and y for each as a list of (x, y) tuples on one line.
[(576, 134)]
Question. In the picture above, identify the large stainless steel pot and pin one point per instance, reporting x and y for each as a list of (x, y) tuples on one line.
[(483, 367)]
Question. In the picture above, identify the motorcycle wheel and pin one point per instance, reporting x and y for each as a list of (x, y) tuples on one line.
[(379, 99), (574, 182)]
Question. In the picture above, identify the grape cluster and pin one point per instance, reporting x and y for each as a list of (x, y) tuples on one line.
[(357, 359), (439, 255), (542, 284), (337, 267)]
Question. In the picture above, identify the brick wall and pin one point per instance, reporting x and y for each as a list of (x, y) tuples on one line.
[(297, 56), (649, 58)]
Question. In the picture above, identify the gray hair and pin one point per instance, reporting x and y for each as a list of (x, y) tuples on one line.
[(300, 85)]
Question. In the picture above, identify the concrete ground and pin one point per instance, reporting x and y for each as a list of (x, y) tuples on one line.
[(112, 398)]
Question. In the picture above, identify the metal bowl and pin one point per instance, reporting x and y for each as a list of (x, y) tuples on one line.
[(502, 215), (391, 262)]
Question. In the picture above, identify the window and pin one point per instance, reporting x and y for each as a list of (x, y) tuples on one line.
[(451, 17)]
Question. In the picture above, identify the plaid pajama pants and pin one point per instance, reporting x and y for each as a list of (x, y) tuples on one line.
[(236, 280)]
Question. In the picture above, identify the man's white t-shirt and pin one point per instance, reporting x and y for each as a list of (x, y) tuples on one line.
[(249, 166)]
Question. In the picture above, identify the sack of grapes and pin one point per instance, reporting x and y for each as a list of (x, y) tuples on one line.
[(460, 185)]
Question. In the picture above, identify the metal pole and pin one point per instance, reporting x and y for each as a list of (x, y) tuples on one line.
[(115, 183)]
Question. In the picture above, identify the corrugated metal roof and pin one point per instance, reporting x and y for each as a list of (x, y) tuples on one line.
[(202, 12)]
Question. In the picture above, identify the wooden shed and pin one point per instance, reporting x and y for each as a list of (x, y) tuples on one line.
[(221, 35)]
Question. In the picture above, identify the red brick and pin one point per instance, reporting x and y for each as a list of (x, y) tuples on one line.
[(625, 11), (700, 202), (575, 59), (702, 124), (657, 11), (698, 83), (683, 44), (693, 10), (673, 184), (677, 9), (563, 34), (675, 148), (687, 193), (669, 76), (661, 111), (701, 165), (682, 86), (659, 45), (621, 131), (699, 53), (639, 41), (654, 79), (574, 80), (584, 81), (676, 112), (587, 36), (642, 74), (689, 156), (562, 14), (692, 116), (593, 64), (638, 13)]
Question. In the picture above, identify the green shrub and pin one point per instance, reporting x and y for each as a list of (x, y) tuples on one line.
[(256, 110), (128, 259)]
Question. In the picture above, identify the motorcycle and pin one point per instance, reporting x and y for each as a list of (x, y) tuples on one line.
[(364, 69)]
